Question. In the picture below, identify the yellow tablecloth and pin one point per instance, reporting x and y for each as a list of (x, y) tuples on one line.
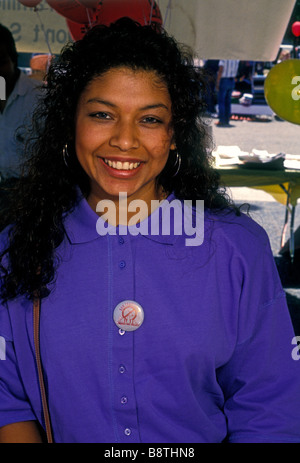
[(279, 183), (283, 185)]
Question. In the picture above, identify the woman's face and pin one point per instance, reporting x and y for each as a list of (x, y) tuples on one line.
[(124, 133)]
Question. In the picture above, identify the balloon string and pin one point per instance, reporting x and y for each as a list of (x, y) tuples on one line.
[(43, 29), (89, 18), (167, 12), (151, 12), (144, 15)]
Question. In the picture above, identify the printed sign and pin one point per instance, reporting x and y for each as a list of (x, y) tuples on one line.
[(41, 31)]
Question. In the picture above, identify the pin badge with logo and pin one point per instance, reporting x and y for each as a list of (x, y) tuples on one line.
[(128, 315)]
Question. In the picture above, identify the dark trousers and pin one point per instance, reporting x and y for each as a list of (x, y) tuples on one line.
[(224, 99)]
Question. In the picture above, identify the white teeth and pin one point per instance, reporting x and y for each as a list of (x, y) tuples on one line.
[(122, 165)]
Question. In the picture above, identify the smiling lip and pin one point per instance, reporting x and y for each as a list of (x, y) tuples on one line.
[(121, 167)]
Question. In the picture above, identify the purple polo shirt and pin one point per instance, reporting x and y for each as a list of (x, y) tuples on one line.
[(211, 361)]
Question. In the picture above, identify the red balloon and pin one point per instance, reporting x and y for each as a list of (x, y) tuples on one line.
[(142, 11), (296, 28), (72, 10), (88, 3), (108, 11), (77, 31), (30, 3)]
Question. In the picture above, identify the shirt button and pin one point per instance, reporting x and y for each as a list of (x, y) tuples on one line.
[(122, 264), (122, 369), (121, 240), (121, 332), (127, 431), (124, 400)]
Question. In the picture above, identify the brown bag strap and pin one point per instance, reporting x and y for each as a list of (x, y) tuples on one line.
[(36, 335)]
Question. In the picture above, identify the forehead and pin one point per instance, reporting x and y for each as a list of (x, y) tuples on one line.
[(128, 83)]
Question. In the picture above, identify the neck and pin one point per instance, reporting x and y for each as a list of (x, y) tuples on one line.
[(126, 210)]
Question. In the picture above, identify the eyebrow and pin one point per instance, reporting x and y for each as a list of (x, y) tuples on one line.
[(108, 103)]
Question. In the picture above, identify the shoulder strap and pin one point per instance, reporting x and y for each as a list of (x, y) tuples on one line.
[(36, 335)]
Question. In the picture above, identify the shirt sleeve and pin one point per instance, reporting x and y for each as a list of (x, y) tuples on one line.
[(261, 382), (14, 404)]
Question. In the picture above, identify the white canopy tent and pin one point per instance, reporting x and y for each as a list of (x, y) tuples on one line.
[(227, 29)]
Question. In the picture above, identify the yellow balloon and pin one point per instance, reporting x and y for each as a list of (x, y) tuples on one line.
[(282, 90)]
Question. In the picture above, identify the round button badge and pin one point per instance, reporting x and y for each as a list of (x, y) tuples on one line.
[(128, 315)]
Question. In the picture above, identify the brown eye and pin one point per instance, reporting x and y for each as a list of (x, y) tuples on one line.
[(151, 120), (100, 115)]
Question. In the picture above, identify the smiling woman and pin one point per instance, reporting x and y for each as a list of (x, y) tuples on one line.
[(140, 337), (58, 163)]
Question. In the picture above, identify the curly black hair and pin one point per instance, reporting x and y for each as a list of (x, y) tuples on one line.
[(48, 189)]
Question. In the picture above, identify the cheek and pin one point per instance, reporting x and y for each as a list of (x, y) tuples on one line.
[(90, 136), (84, 138), (160, 154), (160, 147), (82, 146)]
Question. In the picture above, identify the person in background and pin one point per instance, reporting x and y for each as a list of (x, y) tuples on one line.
[(243, 79), (284, 55), (211, 68), (225, 83), (22, 93), (39, 64)]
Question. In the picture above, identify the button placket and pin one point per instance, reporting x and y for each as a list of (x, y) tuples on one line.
[(124, 407)]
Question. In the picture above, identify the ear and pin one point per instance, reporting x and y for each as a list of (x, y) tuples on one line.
[(173, 144)]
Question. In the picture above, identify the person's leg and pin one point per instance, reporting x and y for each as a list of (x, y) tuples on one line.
[(227, 102), (221, 101)]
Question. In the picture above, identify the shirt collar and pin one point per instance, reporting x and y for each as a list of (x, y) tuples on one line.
[(80, 224), (168, 238)]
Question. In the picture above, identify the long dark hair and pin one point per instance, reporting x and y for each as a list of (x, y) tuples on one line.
[(48, 189)]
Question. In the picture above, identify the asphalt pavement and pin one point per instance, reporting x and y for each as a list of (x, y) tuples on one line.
[(275, 136)]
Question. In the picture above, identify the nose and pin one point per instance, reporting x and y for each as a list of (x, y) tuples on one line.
[(125, 136)]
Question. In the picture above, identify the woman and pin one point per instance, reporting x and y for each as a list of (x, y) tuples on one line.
[(143, 338)]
